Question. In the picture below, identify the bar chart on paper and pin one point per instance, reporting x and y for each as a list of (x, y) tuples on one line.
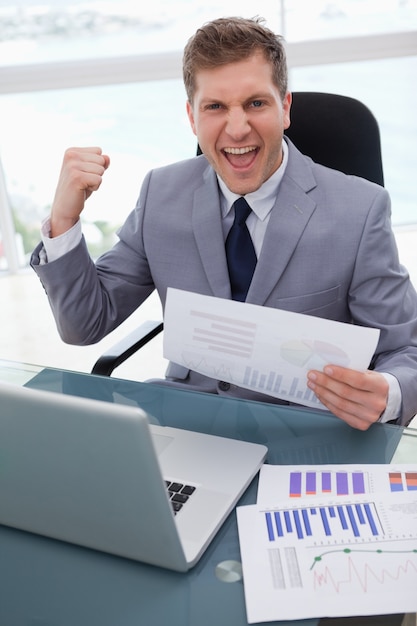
[(306, 482), (403, 481), (344, 521), (339, 483), (274, 383), (333, 555)]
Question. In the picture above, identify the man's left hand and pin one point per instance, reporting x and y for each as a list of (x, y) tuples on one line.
[(358, 398)]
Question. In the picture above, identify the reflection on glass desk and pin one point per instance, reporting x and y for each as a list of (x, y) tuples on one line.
[(44, 582)]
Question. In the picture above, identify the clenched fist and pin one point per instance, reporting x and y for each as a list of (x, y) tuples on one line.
[(81, 174)]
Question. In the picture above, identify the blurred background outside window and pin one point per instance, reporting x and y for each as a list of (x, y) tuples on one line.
[(108, 73)]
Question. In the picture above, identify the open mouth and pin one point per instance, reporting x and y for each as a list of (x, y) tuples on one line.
[(241, 157)]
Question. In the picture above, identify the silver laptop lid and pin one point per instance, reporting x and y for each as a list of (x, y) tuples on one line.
[(87, 472)]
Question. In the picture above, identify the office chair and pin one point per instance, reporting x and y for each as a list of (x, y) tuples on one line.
[(337, 131)]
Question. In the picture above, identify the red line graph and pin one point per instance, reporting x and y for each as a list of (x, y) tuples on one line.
[(364, 574)]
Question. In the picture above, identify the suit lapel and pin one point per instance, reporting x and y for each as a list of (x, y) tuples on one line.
[(289, 217), (207, 226)]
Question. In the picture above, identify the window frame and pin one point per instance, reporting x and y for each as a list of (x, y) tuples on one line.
[(167, 65)]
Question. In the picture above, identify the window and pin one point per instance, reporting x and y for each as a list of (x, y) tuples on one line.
[(136, 110), (32, 31), (140, 126)]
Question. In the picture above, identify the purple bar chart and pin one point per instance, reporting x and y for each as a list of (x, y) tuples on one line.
[(334, 483)]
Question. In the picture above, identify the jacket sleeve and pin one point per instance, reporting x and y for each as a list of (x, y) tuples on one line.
[(383, 296)]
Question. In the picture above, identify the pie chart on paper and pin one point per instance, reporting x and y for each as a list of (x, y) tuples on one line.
[(313, 354)]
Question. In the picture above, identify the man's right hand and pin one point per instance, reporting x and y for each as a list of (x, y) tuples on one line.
[(81, 174)]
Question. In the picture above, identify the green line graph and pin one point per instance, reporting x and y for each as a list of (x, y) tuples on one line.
[(319, 558)]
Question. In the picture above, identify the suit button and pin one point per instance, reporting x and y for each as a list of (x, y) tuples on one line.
[(224, 386)]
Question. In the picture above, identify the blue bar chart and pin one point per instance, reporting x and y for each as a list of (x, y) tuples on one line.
[(276, 384), (349, 521)]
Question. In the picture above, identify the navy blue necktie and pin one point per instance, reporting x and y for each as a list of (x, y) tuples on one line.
[(240, 253)]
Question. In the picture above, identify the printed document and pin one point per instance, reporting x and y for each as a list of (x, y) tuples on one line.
[(260, 348), (343, 542)]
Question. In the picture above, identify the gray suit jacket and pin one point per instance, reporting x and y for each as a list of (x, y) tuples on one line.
[(329, 251)]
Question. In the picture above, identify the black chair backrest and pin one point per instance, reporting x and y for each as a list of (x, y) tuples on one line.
[(337, 131)]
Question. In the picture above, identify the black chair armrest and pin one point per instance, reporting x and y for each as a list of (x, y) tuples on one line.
[(119, 352)]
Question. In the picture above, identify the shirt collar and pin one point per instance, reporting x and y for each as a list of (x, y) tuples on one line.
[(262, 200)]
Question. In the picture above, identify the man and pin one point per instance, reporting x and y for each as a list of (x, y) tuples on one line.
[(322, 240)]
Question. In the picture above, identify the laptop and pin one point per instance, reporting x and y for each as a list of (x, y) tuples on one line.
[(100, 475)]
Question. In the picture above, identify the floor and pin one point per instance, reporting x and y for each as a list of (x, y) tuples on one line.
[(28, 333)]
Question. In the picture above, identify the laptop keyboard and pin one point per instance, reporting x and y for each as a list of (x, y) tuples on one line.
[(179, 494)]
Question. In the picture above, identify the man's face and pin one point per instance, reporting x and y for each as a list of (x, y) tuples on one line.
[(239, 119)]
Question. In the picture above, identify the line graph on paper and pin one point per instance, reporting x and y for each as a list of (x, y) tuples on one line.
[(335, 556), (212, 366), (362, 570)]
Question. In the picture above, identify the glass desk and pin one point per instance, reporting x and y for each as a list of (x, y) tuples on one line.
[(44, 582)]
